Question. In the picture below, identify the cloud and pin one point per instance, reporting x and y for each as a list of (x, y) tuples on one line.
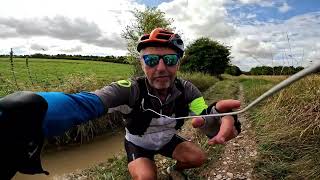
[(263, 3), (72, 49), (285, 43), (38, 47), (250, 16), (273, 42), (59, 27), (284, 8), (94, 27), (253, 48), (7, 32), (199, 18)]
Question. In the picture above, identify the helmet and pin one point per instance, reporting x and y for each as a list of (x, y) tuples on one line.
[(162, 37)]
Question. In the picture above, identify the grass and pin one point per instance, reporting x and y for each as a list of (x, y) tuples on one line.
[(48, 74), (287, 129), (200, 80)]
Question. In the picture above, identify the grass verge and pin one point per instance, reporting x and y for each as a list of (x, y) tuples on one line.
[(288, 129)]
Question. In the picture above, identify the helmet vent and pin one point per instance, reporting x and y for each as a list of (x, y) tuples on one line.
[(166, 32), (179, 41), (164, 36), (144, 37)]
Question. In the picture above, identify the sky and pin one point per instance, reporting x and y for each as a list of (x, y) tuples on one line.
[(258, 32)]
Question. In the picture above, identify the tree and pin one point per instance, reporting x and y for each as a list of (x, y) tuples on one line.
[(233, 70), (206, 55), (277, 70), (145, 21)]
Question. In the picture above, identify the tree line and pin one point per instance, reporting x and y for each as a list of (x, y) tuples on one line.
[(277, 70), (113, 59)]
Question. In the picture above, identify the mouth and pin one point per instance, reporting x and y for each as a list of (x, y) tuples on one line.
[(162, 77)]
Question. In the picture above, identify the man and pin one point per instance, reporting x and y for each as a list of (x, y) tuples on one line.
[(26, 118)]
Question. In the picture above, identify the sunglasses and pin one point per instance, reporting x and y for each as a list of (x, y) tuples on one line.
[(153, 59)]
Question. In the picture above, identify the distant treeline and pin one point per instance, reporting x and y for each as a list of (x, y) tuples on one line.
[(277, 70), (114, 59)]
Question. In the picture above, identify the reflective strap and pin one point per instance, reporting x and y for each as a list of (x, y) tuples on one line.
[(198, 105)]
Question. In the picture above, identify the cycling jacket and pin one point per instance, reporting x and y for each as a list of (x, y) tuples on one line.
[(145, 128)]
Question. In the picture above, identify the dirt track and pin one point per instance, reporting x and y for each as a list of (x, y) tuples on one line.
[(236, 160)]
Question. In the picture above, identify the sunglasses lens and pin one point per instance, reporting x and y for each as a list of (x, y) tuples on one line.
[(171, 59), (151, 60)]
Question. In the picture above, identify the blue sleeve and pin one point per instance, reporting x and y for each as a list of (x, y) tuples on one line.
[(67, 110)]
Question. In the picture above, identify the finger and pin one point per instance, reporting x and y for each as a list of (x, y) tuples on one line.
[(227, 105), (226, 131), (197, 122), (216, 140)]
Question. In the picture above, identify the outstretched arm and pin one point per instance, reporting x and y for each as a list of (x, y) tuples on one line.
[(66, 110), (26, 118)]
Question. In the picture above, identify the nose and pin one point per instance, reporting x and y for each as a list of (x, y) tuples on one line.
[(161, 66)]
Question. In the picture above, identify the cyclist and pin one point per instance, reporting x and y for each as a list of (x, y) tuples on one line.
[(26, 118)]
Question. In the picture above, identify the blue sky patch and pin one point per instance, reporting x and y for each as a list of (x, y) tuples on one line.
[(253, 13)]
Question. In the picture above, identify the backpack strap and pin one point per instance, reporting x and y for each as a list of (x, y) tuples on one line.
[(181, 108), (138, 120)]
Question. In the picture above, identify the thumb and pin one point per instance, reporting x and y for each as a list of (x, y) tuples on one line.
[(197, 122)]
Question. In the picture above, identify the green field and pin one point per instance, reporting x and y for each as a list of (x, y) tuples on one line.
[(47, 74)]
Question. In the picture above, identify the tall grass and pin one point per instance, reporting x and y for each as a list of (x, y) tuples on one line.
[(200, 80), (288, 130)]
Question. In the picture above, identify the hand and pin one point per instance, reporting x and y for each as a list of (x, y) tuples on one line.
[(227, 130)]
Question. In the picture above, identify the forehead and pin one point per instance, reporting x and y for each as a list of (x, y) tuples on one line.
[(158, 50)]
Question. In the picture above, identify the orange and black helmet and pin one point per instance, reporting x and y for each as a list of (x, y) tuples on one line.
[(161, 37)]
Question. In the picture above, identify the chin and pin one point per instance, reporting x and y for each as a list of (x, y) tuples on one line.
[(161, 86)]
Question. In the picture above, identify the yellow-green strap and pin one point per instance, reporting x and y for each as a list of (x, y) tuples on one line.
[(198, 105)]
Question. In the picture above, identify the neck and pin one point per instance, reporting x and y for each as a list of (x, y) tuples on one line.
[(161, 93)]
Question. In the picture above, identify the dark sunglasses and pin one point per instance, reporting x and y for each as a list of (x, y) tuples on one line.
[(153, 59)]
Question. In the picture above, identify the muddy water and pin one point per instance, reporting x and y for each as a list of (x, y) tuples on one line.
[(77, 158)]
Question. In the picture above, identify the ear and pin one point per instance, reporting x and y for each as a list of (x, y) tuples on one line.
[(143, 66)]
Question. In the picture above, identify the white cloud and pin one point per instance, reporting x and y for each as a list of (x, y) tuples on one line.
[(284, 8), (250, 16), (38, 47), (199, 18), (260, 43), (286, 43), (94, 27), (74, 49), (97, 23), (263, 3)]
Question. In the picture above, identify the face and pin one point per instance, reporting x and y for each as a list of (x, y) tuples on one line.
[(160, 76)]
